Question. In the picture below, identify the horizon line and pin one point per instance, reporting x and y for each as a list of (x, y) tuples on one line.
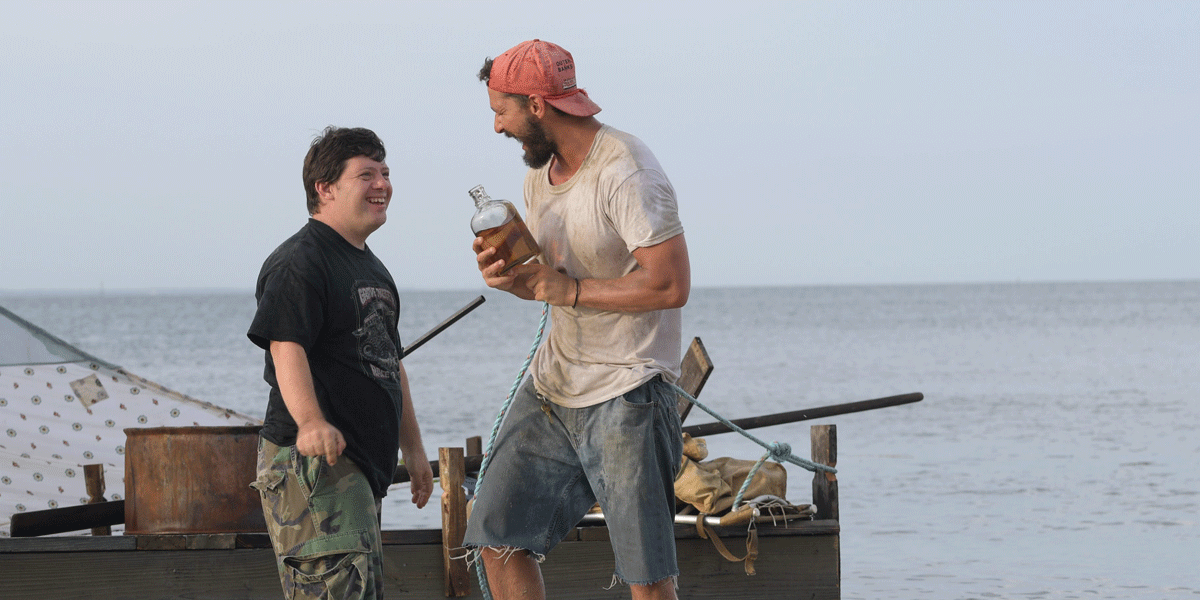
[(181, 291)]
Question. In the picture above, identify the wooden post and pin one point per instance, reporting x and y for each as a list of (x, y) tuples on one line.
[(694, 372), (93, 476), (474, 445), (825, 485), (454, 520)]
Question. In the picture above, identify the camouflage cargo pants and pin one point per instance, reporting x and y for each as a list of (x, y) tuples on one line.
[(324, 525)]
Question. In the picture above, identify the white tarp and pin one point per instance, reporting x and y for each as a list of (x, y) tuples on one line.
[(61, 409)]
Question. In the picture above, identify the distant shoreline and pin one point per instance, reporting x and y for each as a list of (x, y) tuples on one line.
[(481, 289)]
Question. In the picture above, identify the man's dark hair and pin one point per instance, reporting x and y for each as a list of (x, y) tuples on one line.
[(328, 154), (485, 74)]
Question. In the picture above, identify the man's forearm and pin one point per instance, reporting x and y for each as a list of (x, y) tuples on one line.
[(661, 281)]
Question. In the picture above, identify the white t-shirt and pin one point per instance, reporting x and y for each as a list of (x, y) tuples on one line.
[(618, 201)]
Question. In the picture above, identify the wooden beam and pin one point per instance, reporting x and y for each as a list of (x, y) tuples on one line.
[(806, 414), (93, 476), (474, 446), (454, 522), (825, 485), (788, 566), (694, 372), (68, 518)]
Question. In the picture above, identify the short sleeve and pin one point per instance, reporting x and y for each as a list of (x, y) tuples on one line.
[(643, 210), (289, 310)]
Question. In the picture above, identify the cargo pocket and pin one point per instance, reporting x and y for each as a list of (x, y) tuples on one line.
[(270, 486), (341, 568), (271, 469), (269, 481)]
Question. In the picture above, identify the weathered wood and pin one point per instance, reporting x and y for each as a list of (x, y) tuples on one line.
[(93, 478), (410, 537), (196, 574), (695, 369), (454, 522), (788, 567), (474, 446), (806, 414), (201, 541), (791, 564), (181, 480), (825, 485), (67, 518), (80, 543), (70, 543), (471, 464)]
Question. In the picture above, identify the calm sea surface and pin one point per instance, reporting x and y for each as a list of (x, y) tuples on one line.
[(1055, 454)]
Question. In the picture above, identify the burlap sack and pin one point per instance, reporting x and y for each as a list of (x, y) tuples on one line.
[(694, 448), (711, 486), (702, 488)]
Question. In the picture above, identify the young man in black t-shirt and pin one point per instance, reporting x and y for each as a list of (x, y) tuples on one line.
[(339, 406)]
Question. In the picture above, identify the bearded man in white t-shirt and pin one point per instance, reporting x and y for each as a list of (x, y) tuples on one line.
[(595, 421)]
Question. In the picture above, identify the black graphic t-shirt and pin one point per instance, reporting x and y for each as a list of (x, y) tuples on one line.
[(340, 304)]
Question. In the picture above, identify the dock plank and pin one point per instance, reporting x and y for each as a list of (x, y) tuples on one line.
[(799, 562)]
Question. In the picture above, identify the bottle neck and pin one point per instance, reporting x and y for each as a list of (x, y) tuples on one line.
[(479, 196)]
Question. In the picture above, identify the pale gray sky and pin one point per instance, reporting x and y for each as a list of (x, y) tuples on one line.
[(159, 144)]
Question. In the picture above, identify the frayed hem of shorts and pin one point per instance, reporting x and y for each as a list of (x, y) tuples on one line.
[(616, 579), (472, 554)]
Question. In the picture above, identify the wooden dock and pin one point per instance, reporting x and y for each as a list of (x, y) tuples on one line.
[(795, 559), (799, 559)]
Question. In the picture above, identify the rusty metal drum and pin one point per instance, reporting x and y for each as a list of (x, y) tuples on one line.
[(191, 480)]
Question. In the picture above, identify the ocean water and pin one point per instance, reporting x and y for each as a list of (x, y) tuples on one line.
[(1055, 454)]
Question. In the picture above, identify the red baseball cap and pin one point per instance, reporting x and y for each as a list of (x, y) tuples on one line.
[(544, 69)]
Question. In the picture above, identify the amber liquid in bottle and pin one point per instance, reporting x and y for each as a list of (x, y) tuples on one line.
[(501, 227)]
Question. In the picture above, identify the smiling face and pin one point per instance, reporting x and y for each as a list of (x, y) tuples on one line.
[(356, 204), (515, 120)]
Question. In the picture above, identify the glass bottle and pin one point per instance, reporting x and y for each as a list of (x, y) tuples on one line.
[(501, 227)]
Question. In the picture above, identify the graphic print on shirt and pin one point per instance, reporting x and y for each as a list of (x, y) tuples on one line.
[(377, 344)]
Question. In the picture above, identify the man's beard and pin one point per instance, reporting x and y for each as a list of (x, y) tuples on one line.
[(539, 147)]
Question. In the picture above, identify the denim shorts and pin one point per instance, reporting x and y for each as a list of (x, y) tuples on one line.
[(550, 464)]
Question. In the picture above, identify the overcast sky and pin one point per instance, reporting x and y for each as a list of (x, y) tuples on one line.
[(159, 144)]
